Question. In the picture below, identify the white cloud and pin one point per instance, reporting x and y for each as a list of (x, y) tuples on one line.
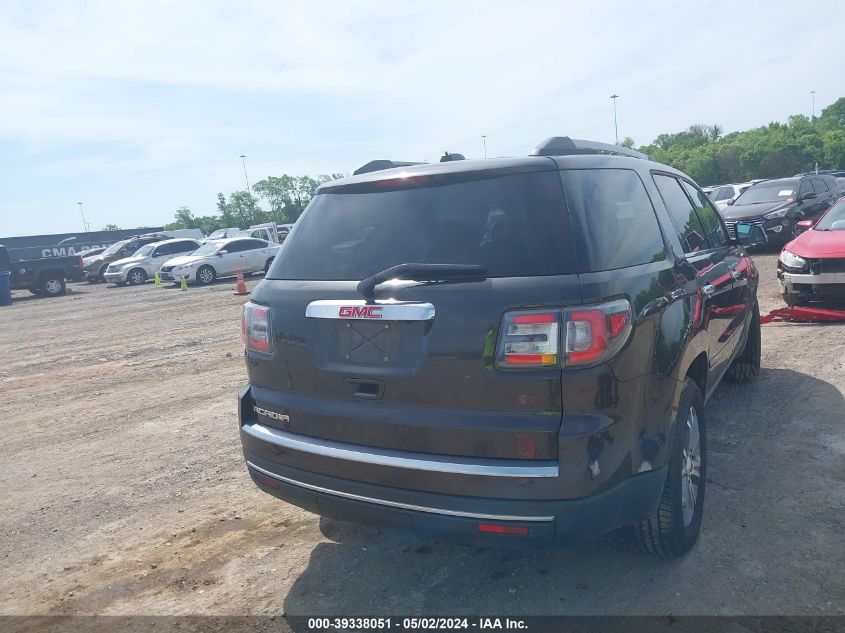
[(108, 97)]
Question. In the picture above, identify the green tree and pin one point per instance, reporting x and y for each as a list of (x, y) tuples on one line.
[(289, 195)]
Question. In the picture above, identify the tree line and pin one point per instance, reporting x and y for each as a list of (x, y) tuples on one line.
[(775, 150), (702, 151), (285, 196)]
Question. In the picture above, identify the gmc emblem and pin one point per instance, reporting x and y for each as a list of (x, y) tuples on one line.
[(360, 312)]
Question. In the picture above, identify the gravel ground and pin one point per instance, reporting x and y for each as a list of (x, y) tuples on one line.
[(125, 490)]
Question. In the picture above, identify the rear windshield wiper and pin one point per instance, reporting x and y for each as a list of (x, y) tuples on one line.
[(421, 272)]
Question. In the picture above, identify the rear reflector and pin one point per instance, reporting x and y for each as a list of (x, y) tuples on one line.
[(272, 483), (493, 528)]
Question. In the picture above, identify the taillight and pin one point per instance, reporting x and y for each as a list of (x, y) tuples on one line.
[(591, 335), (529, 339), (595, 333), (255, 328)]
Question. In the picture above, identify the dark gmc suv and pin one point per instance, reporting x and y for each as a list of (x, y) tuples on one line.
[(512, 349)]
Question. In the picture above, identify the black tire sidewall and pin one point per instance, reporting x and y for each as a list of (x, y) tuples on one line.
[(685, 536)]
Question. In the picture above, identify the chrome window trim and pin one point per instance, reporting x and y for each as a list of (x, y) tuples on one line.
[(401, 459), (399, 504), (391, 310)]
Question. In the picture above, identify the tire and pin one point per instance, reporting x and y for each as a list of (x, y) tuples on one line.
[(51, 286), (35, 291), (674, 526), (267, 265), (794, 231), (101, 275), (793, 299), (206, 275), (746, 366), (136, 277)]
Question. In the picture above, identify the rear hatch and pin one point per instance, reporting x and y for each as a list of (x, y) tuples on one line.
[(412, 366)]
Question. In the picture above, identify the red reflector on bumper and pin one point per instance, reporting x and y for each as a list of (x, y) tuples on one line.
[(492, 528), (272, 483)]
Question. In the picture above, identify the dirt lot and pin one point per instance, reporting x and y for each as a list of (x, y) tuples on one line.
[(125, 490)]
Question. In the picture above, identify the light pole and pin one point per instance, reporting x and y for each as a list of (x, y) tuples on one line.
[(246, 178), (813, 92), (82, 213), (615, 125), (484, 142)]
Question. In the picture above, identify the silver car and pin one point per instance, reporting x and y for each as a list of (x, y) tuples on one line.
[(222, 258), (146, 261)]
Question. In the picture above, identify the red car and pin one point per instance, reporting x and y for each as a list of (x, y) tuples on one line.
[(812, 266)]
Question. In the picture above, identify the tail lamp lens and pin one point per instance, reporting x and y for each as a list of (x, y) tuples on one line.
[(596, 333), (530, 339), (592, 335), (256, 329)]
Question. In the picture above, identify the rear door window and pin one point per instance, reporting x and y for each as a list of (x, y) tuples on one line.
[(515, 225), (164, 249), (613, 219), (820, 186), (690, 230), (184, 247)]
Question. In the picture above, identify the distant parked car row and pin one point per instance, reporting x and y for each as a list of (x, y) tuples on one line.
[(202, 263), (778, 205)]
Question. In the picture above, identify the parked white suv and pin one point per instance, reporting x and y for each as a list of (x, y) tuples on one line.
[(147, 260), (222, 258), (723, 194)]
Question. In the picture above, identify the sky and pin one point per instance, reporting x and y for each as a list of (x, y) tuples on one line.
[(139, 108)]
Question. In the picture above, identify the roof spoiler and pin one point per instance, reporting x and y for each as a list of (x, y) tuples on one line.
[(565, 146), (378, 165)]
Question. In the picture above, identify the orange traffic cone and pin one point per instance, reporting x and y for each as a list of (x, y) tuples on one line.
[(240, 289)]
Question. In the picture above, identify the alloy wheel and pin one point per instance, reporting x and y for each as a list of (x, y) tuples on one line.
[(690, 467), (53, 286)]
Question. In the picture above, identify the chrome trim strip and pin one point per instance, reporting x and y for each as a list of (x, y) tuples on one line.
[(400, 459), (358, 309), (823, 278), (399, 504)]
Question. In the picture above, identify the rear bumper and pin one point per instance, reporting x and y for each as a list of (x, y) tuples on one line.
[(429, 515), (444, 496)]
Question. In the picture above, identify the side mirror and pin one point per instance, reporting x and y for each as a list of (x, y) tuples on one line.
[(810, 195), (731, 201), (221, 253), (750, 234), (803, 225)]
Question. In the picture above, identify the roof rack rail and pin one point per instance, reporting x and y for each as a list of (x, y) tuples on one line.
[(378, 165), (564, 146)]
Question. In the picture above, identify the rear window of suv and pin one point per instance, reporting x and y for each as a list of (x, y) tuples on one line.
[(613, 217), (515, 225)]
